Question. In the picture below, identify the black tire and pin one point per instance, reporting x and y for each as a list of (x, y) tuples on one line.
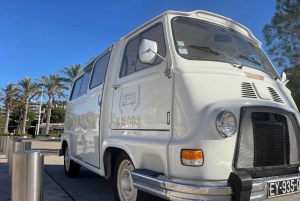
[(123, 160), (71, 168)]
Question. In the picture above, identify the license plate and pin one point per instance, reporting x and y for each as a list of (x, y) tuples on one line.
[(283, 187)]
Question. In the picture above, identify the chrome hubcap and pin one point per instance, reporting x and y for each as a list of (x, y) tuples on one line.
[(126, 190), (67, 159)]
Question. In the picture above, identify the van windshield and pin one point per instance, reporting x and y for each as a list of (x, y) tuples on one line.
[(200, 40)]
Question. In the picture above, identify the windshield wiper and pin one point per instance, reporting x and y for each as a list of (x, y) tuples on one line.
[(206, 49), (250, 59), (217, 52)]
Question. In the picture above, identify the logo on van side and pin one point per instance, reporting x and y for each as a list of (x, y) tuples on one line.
[(130, 99), (128, 121)]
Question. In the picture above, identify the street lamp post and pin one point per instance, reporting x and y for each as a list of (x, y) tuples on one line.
[(40, 110)]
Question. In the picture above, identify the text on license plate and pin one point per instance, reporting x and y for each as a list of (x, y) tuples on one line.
[(277, 188)]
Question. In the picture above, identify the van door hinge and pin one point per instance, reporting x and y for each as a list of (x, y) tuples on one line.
[(168, 117)]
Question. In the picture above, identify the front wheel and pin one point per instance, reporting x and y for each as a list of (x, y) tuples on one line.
[(71, 168), (123, 183)]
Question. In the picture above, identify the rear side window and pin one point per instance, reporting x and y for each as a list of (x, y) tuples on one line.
[(131, 62), (81, 85), (85, 83), (76, 88), (99, 70)]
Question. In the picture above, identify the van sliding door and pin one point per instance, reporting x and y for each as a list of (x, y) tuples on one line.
[(92, 109)]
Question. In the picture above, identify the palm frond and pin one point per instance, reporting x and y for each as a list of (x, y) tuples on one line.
[(71, 73)]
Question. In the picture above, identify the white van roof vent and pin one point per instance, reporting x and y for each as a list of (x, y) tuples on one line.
[(275, 95), (247, 90)]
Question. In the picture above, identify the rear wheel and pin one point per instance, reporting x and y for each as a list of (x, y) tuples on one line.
[(71, 168), (123, 183)]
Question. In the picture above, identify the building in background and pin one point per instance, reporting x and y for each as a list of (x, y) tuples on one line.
[(56, 128), (35, 106), (2, 111)]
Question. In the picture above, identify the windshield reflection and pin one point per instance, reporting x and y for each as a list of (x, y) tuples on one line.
[(200, 40)]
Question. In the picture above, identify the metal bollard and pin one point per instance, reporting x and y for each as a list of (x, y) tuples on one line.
[(1, 141), (27, 175), (7, 145), (18, 145), (11, 148)]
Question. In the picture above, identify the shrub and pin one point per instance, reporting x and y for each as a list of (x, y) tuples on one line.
[(49, 135), (3, 134), (23, 135)]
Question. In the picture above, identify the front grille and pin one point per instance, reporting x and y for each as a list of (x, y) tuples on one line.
[(268, 139)]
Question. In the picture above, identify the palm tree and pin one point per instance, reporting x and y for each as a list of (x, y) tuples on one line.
[(28, 90), (1, 119), (11, 92), (52, 87), (90, 60), (60, 103), (71, 73)]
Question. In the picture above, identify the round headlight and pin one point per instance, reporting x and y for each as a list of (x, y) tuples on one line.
[(226, 123)]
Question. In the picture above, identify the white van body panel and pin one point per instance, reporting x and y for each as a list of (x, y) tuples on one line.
[(153, 117)]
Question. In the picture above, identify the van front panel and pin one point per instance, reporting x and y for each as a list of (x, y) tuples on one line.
[(226, 71)]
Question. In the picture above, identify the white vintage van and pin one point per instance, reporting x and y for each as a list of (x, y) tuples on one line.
[(185, 107)]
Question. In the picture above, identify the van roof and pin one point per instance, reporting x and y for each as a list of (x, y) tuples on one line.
[(204, 15)]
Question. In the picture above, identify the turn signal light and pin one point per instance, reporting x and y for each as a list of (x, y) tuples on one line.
[(192, 157)]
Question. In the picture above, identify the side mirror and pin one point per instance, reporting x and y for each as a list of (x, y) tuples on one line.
[(284, 78), (147, 51)]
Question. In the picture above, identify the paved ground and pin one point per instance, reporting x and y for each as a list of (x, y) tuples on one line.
[(88, 186), (51, 192)]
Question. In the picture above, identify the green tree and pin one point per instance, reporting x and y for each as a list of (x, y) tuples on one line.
[(10, 95), (293, 74), (28, 90), (1, 122), (71, 73), (1, 119), (283, 33), (52, 87), (58, 115), (17, 115), (60, 103), (30, 117)]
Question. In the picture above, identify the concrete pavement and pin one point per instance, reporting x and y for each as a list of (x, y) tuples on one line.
[(58, 187)]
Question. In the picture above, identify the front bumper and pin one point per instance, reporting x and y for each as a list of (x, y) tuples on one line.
[(178, 189)]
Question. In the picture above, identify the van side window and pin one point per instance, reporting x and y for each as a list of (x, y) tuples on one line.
[(156, 34), (85, 83), (131, 62), (130, 59), (99, 70), (76, 88)]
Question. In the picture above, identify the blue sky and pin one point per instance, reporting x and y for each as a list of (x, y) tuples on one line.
[(40, 37)]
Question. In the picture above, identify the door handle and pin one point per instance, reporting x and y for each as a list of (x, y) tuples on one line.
[(115, 86), (99, 100)]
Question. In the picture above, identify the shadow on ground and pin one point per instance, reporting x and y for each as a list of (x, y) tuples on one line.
[(87, 186)]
